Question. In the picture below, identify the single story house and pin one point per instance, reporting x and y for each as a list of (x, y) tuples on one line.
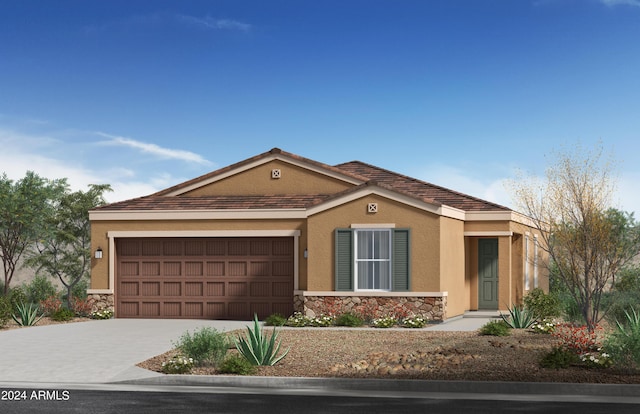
[(278, 233)]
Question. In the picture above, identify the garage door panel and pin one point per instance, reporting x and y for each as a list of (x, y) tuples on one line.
[(194, 288), (260, 289), (129, 289), (172, 268), (215, 288), (172, 288), (149, 309), (150, 289), (204, 278)]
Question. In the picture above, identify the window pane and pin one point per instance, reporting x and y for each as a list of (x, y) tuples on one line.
[(365, 275), (365, 243), (382, 245)]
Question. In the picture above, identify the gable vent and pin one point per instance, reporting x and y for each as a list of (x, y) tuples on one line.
[(276, 173), (372, 207)]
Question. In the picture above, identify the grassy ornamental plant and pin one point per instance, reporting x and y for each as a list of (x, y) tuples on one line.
[(275, 319), (349, 319), (62, 315), (624, 342), (519, 317), (27, 314), (257, 348)]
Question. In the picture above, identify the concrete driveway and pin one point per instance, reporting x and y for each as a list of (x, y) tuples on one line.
[(99, 351), (105, 351)]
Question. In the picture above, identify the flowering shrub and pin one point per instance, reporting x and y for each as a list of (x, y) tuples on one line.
[(384, 322), (545, 327), (177, 365), (414, 322), (50, 305), (597, 359), (322, 320), (102, 314), (578, 338), (298, 320)]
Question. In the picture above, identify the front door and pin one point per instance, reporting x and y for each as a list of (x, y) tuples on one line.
[(488, 274)]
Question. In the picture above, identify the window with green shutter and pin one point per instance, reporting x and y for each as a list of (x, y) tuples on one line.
[(372, 259)]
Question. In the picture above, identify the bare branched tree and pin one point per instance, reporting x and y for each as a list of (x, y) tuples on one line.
[(587, 241)]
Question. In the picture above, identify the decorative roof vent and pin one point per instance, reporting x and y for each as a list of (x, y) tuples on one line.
[(372, 207), (276, 173)]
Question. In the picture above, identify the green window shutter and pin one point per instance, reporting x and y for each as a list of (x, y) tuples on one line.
[(401, 260), (344, 259)]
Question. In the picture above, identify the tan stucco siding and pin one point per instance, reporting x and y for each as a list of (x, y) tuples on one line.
[(100, 230), (505, 279), (452, 266), (425, 245), (486, 226), (258, 181)]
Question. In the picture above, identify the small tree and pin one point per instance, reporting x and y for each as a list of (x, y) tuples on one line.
[(588, 242), (24, 207), (65, 251)]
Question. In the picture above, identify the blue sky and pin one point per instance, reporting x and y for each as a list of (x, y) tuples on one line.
[(462, 93)]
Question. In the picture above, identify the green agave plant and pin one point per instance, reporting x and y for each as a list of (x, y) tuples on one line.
[(259, 349), (519, 317), (27, 314)]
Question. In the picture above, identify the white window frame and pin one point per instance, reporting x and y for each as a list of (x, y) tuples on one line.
[(356, 234)]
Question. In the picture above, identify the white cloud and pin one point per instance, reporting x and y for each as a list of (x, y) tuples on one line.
[(612, 3), (53, 155), (153, 149), (210, 23)]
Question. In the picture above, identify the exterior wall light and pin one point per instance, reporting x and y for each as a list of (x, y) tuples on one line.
[(98, 254), (305, 253)]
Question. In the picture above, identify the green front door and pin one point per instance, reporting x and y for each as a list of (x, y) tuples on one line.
[(488, 274)]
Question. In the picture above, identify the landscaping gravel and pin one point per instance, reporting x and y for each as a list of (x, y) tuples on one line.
[(419, 354)]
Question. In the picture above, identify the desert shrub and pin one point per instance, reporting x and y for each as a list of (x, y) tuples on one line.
[(298, 320), (495, 328), (62, 314), (618, 303), (628, 280), (624, 343), (50, 305), (236, 364), (5, 310), (570, 310), (275, 319), (81, 307), (207, 346), (178, 364), (542, 305), (39, 289), (545, 326), (17, 296), (349, 319), (559, 357), (79, 291), (259, 349), (519, 317)]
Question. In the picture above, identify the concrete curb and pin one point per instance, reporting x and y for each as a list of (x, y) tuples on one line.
[(397, 386)]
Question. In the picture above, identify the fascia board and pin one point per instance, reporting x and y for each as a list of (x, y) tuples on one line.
[(381, 192), (197, 214)]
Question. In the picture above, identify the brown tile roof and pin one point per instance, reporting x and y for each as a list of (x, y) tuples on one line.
[(420, 189), (268, 201), (357, 171)]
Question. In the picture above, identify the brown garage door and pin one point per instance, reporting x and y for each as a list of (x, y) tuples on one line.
[(198, 278)]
